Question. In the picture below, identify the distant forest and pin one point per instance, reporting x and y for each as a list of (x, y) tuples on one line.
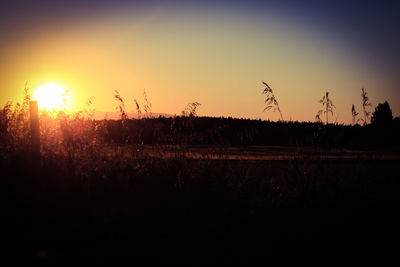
[(190, 130), (383, 131), (371, 130)]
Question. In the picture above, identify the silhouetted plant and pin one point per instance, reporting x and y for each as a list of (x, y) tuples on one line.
[(318, 116), (65, 97), (14, 122), (88, 110), (139, 112), (27, 98), (328, 106), (191, 109), (382, 115), (365, 104), (271, 102), (354, 114), (121, 106), (147, 105)]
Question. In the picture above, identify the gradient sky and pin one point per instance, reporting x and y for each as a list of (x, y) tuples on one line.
[(213, 52)]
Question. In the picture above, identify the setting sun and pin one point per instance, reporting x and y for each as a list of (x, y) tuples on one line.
[(52, 96)]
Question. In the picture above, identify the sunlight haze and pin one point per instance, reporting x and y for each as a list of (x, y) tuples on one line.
[(180, 54)]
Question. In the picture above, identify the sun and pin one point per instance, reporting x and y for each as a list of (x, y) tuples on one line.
[(52, 96)]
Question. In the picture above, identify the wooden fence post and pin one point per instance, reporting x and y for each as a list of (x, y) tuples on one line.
[(35, 132)]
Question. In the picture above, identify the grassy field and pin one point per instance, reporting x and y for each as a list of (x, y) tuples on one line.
[(91, 201), (182, 210), (250, 153)]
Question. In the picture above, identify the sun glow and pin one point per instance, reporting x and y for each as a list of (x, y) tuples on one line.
[(52, 96)]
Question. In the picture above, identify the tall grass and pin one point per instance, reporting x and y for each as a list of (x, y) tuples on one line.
[(365, 104), (354, 115), (191, 109), (270, 101), (327, 106)]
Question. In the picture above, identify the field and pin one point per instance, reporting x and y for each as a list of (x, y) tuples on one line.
[(252, 153), (182, 210), (91, 200)]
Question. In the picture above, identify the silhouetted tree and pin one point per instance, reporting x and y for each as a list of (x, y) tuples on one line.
[(382, 115)]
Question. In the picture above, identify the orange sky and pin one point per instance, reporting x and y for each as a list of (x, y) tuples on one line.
[(213, 57)]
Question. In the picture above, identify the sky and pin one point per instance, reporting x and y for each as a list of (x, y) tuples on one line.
[(212, 52)]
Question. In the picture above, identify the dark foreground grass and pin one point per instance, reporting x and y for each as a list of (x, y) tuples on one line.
[(90, 207)]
